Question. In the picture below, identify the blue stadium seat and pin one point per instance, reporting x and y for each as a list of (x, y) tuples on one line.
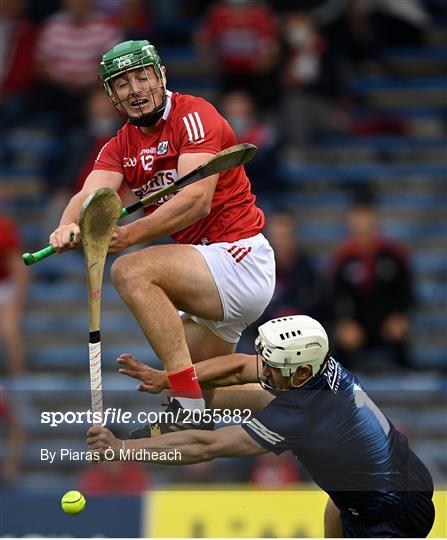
[(75, 357), (383, 143), (360, 172), (366, 84), (431, 292)]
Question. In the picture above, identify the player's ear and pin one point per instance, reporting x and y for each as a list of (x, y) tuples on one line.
[(301, 375), (163, 72)]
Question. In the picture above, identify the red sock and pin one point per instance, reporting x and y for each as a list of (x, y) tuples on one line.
[(184, 384)]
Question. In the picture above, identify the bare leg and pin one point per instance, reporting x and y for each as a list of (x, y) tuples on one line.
[(157, 281), (203, 344), (332, 523)]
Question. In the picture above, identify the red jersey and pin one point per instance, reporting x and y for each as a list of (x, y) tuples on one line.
[(9, 243), (240, 34), (149, 162)]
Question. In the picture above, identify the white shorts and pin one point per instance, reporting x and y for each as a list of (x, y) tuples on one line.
[(244, 273)]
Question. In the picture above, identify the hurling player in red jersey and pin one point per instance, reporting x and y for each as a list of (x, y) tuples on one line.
[(221, 271)]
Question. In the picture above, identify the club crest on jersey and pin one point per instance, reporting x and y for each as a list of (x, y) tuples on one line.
[(162, 148)]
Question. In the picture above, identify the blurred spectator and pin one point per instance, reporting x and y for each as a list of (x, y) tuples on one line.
[(13, 287), (199, 473), (373, 292), (17, 38), (131, 16), (348, 34), (243, 38), (12, 437), (312, 86), (401, 23), (239, 108), (299, 289), (67, 55), (273, 471), (102, 124), (115, 478)]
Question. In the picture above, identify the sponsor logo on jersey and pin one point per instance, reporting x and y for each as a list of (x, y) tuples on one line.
[(160, 180), (162, 148), (129, 161), (194, 127), (150, 150), (332, 373)]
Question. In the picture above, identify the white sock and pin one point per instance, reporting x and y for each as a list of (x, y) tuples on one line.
[(190, 403)]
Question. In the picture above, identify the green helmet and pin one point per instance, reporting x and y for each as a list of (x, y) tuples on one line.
[(127, 56)]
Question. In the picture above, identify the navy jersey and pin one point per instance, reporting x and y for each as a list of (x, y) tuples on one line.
[(345, 442)]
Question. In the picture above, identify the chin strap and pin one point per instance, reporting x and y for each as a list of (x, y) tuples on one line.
[(148, 120)]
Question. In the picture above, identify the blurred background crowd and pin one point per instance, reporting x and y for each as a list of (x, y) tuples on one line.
[(347, 103)]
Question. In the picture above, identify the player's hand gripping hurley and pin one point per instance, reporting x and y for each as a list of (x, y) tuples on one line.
[(97, 219), (235, 156)]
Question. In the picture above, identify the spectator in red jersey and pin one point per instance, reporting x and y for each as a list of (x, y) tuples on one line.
[(115, 478), (11, 450), (132, 16), (17, 38), (240, 110), (243, 37), (13, 287), (311, 84), (272, 471), (373, 291), (67, 54)]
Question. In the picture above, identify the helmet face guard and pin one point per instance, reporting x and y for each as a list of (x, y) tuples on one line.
[(261, 362), (124, 58)]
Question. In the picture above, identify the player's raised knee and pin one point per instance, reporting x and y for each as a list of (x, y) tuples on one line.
[(124, 270)]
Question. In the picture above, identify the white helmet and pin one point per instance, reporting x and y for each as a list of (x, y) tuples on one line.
[(289, 342)]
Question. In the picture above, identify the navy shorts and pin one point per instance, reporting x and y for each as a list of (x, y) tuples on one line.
[(413, 518)]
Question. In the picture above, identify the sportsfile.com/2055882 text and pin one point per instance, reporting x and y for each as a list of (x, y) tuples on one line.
[(113, 415)]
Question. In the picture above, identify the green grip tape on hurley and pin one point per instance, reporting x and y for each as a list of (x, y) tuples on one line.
[(31, 258)]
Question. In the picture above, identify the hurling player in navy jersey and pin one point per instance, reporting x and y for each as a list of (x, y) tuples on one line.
[(377, 486)]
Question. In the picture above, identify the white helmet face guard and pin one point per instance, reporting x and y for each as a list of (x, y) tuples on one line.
[(260, 367), (290, 342)]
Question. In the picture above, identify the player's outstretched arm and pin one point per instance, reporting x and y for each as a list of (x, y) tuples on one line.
[(219, 371), (180, 448), (68, 235), (188, 206), (227, 370)]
